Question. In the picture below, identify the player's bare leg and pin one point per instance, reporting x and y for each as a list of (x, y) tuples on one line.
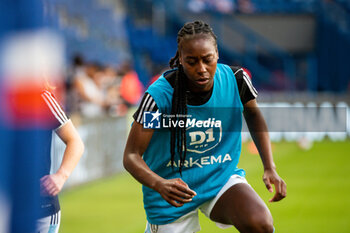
[(241, 206)]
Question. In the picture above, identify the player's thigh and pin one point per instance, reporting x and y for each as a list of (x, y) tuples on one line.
[(242, 207)]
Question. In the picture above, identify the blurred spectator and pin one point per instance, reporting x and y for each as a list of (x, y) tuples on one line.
[(76, 69), (78, 64), (111, 87), (197, 6), (222, 6), (88, 86), (131, 89), (95, 90), (245, 6)]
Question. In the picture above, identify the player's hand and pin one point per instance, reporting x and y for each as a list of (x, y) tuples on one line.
[(175, 191), (51, 185), (271, 177)]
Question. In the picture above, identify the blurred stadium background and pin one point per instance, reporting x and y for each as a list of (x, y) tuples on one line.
[(298, 54)]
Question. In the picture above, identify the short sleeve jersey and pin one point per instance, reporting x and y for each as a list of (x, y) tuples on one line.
[(57, 118)]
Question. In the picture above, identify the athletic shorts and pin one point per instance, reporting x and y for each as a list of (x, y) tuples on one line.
[(49, 224), (189, 223)]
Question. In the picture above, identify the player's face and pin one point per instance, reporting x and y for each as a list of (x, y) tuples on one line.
[(199, 57)]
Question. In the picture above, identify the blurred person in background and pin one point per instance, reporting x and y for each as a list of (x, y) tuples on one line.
[(130, 87), (197, 6), (245, 6), (88, 86), (183, 169), (52, 184), (111, 87), (223, 6), (76, 69)]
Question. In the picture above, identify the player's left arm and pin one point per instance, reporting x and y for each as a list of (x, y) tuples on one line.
[(52, 184), (259, 132)]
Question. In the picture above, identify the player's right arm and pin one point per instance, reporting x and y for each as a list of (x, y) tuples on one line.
[(52, 184), (174, 191)]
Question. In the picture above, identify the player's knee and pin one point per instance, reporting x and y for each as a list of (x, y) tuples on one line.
[(265, 227), (260, 224)]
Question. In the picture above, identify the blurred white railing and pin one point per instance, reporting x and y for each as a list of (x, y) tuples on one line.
[(104, 140)]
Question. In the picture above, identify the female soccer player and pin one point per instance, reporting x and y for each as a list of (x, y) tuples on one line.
[(187, 159), (51, 184)]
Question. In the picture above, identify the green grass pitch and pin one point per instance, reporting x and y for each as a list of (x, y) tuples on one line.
[(318, 199)]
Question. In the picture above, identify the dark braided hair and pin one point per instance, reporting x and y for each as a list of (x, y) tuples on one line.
[(179, 101)]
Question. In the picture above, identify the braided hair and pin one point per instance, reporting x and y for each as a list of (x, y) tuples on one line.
[(179, 100)]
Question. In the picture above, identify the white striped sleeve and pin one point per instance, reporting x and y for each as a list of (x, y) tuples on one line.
[(55, 108), (147, 105), (249, 83)]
